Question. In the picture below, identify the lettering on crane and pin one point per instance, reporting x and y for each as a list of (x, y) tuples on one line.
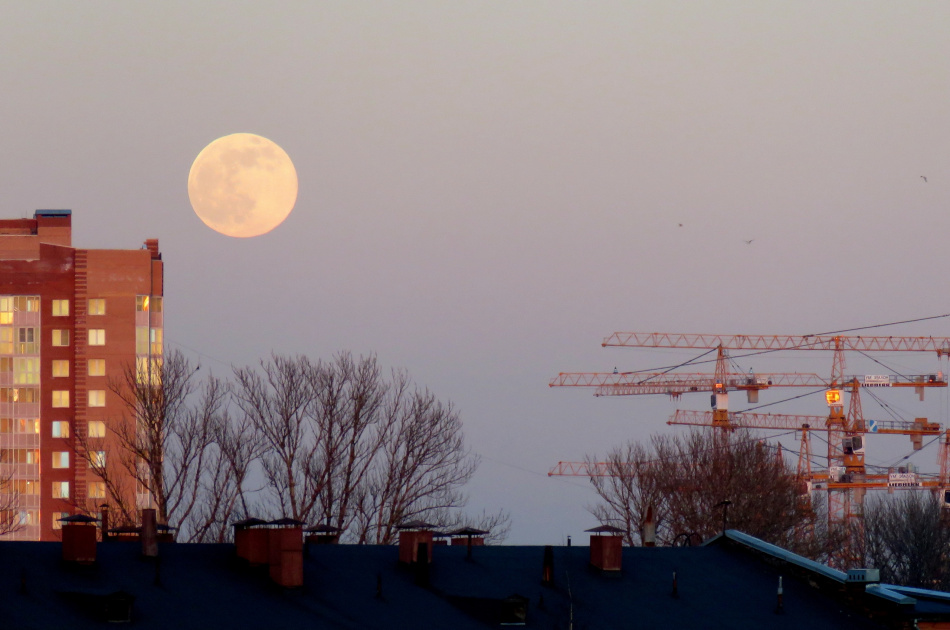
[(903, 480), (877, 380)]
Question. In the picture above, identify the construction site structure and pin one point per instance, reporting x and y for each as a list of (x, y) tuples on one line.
[(846, 478)]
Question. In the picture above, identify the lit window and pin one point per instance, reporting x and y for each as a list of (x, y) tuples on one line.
[(97, 398), (97, 337), (97, 429), (156, 341), (60, 429), (60, 489), (60, 367), (60, 337), (26, 341), (27, 517), (97, 459), (61, 459), (26, 371), (141, 303), (97, 490), (6, 340), (6, 310), (20, 456), (25, 486), (60, 308), (141, 340), (56, 516), (29, 303), (97, 367), (26, 425), (6, 364), (60, 398), (19, 394), (97, 306)]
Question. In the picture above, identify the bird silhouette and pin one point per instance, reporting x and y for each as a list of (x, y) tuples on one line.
[(749, 242), (923, 178), (680, 224)]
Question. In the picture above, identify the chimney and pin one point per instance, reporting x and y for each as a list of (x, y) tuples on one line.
[(411, 535), (151, 245), (104, 521), (79, 539), (250, 541), (606, 548), (473, 538), (649, 529), (323, 535), (149, 533), (285, 552), (547, 573)]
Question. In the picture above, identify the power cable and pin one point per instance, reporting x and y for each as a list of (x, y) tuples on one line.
[(906, 321)]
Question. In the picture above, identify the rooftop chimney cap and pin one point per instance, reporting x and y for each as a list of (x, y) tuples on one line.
[(415, 525), (323, 529), (78, 518), (467, 531), (125, 529), (606, 529), (286, 521), (52, 213), (249, 522)]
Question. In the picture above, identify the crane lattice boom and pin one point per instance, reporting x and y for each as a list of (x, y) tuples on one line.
[(940, 345)]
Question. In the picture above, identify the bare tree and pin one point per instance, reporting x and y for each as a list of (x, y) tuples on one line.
[(699, 480), (907, 537), (424, 463), (224, 481), (342, 444), (278, 401), (162, 441), (629, 491), (351, 425)]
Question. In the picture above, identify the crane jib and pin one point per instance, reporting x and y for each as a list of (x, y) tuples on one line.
[(941, 345)]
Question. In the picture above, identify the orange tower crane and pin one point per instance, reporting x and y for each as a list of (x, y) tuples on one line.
[(844, 430)]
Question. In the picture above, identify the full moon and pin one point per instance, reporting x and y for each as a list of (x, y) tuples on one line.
[(242, 185)]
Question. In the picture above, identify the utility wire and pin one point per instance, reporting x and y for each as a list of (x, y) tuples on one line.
[(906, 321), (812, 393)]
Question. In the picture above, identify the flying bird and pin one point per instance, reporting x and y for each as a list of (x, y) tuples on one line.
[(680, 224), (749, 242), (923, 178)]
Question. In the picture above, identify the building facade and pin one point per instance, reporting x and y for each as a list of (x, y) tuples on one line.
[(73, 322)]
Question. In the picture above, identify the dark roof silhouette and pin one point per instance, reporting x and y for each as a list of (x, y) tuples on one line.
[(725, 584)]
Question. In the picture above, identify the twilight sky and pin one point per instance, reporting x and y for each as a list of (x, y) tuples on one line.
[(487, 189)]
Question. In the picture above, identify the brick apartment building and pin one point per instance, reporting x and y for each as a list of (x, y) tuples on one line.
[(71, 321)]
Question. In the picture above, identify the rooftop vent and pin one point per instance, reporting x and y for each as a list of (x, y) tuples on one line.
[(864, 576), (322, 535), (468, 536), (79, 538), (250, 540), (411, 535), (285, 552), (606, 548)]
